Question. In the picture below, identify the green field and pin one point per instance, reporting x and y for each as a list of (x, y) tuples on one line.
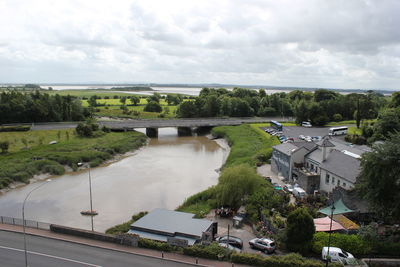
[(88, 93), (36, 158)]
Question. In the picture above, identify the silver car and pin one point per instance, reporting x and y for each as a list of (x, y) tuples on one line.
[(265, 244)]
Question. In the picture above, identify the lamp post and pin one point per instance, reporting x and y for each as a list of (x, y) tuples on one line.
[(91, 203), (23, 218), (330, 232)]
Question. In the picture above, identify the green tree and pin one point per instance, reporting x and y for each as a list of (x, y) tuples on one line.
[(4, 146), (187, 109), (388, 122), (155, 97), (92, 101), (135, 100), (380, 179), (299, 231), (152, 106), (236, 183), (123, 100)]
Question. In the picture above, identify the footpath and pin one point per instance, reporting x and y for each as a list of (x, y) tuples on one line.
[(134, 250)]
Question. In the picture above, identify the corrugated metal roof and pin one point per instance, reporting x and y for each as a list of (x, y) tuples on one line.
[(171, 223)]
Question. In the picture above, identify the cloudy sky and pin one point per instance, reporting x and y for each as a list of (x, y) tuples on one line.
[(308, 43)]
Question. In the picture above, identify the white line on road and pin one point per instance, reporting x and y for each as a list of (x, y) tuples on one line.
[(52, 256)]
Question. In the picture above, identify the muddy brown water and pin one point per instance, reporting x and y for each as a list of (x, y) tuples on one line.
[(159, 175)]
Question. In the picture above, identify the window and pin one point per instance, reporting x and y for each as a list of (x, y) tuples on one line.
[(338, 182), (344, 184), (316, 169), (327, 179), (333, 180)]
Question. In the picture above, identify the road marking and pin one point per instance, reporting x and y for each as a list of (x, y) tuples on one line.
[(52, 256)]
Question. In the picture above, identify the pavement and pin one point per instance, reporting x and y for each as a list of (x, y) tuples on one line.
[(179, 258)]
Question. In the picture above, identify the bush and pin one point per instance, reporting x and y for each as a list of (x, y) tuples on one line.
[(210, 252), (300, 230), (387, 249), (124, 227), (14, 128), (351, 243), (152, 106), (337, 117), (147, 243), (288, 260)]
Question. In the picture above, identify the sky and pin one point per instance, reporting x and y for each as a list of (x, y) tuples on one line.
[(302, 43)]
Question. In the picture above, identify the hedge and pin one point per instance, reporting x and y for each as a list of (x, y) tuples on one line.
[(14, 128), (210, 252), (147, 243), (289, 260)]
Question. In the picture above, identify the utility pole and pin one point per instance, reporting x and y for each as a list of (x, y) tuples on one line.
[(91, 203)]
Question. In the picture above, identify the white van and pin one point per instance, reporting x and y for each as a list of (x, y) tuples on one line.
[(306, 124), (336, 255), (299, 192)]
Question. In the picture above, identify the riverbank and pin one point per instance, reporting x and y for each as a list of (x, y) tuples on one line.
[(41, 161)]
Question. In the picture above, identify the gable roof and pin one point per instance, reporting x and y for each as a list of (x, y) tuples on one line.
[(307, 145), (326, 143), (342, 165), (286, 148)]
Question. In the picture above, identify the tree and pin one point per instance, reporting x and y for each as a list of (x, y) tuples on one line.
[(388, 122), (4, 146), (92, 101), (152, 106), (235, 183), (299, 231), (187, 109), (380, 179), (135, 100), (123, 100), (154, 98)]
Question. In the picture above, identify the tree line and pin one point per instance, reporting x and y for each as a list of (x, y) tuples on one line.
[(318, 107), (16, 107)]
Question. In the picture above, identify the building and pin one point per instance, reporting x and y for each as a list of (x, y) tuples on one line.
[(318, 166), (173, 227)]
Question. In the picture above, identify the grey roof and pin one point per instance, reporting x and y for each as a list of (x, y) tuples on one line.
[(315, 155), (171, 223), (286, 148), (307, 145), (326, 143), (342, 165)]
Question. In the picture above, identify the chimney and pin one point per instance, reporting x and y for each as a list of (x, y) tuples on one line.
[(325, 144)]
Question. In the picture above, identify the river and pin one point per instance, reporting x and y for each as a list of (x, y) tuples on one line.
[(159, 175)]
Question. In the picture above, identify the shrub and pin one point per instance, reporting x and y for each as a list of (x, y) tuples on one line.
[(147, 243), (210, 252), (337, 117), (300, 230), (387, 249), (124, 227), (152, 106), (351, 243)]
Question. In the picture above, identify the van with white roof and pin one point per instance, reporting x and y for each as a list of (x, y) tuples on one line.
[(336, 255)]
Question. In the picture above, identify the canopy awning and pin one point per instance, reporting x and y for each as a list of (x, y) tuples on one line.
[(324, 224), (340, 208), (346, 222)]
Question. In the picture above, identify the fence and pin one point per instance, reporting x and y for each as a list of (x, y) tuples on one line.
[(28, 223)]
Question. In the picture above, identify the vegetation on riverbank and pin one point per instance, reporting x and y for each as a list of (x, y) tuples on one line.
[(249, 145), (124, 227), (19, 166)]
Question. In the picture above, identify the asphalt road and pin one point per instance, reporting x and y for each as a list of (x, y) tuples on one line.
[(43, 252)]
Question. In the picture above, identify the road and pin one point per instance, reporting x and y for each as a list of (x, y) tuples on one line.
[(200, 122), (50, 252)]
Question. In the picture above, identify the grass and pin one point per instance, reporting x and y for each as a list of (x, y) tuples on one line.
[(20, 165), (35, 138), (354, 130), (124, 227), (249, 144)]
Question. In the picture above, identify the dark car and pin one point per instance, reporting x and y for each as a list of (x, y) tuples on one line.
[(233, 240)]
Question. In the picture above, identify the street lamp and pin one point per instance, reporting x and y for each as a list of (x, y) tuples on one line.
[(23, 218), (330, 232)]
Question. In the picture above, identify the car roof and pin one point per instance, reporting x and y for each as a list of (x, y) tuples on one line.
[(266, 240)]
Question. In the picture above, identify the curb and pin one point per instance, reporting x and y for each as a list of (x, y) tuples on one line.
[(113, 249)]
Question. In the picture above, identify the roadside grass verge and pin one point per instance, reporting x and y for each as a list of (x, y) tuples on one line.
[(22, 165)]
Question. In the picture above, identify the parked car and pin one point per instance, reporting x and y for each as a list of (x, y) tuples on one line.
[(306, 124), (337, 255), (230, 247), (299, 192), (265, 244), (277, 186), (290, 139), (308, 139), (288, 188), (302, 137), (233, 240), (316, 138)]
